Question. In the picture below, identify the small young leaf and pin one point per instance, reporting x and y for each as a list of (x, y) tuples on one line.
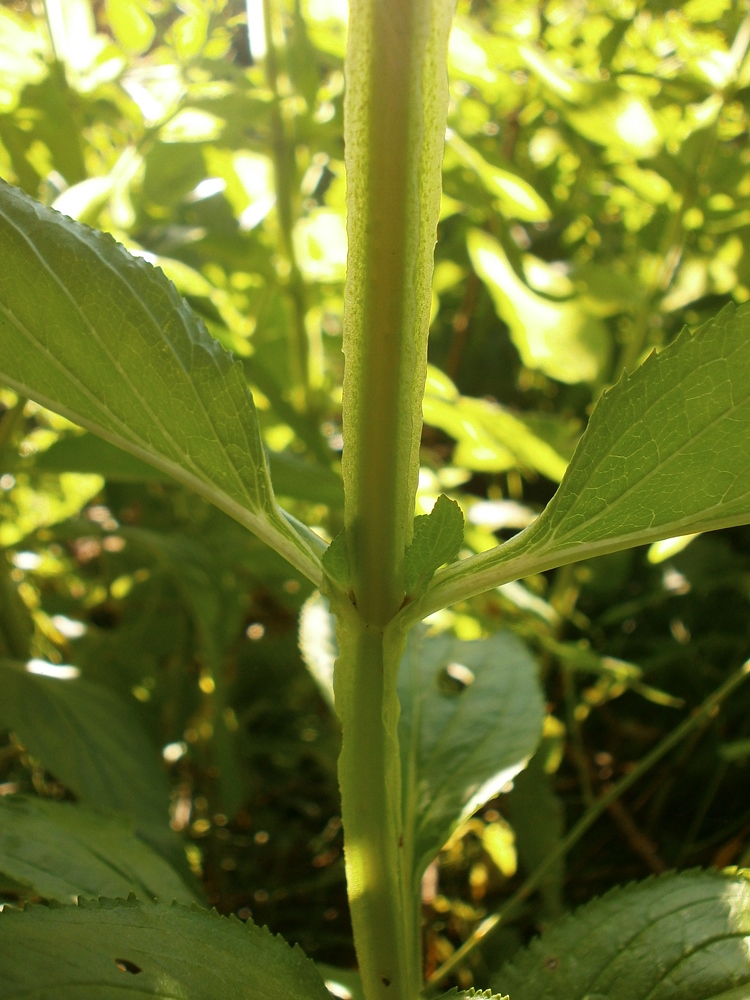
[(437, 540), (681, 936), (62, 851), (108, 949), (336, 561)]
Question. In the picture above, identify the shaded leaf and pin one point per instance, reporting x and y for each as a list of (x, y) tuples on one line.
[(88, 738), (538, 818), (677, 937), (61, 851), (437, 539), (471, 716), (102, 337), (108, 948)]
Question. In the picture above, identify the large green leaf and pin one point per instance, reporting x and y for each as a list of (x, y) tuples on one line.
[(102, 337), (109, 949), (665, 453), (61, 851), (87, 737), (678, 937), (471, 716)]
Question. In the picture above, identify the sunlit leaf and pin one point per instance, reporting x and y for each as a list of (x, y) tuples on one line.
[(131, 25), (61, 851), (320, 240), (665, 454), (677, 937), (317, 643), (559, 338), (108, 948), (517, 199), (28, 507), (103, 338), (623, 122)]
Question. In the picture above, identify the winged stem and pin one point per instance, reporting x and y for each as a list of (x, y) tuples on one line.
[(396, 104)]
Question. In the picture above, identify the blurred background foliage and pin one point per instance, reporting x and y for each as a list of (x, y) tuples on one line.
[(596, 199)]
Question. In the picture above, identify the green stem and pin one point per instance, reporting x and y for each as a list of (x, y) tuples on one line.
[(396, 105), (592, 814), (370, 779), (284, 169)]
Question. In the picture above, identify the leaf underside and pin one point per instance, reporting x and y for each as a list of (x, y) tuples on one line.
[(103, 338), (109, 949), (681, 936), (665, 453)]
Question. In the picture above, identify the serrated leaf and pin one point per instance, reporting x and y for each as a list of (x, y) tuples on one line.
[(61, 851), (665, 454), (677, 937), (437, 539), (471, 716), (88, 738), (109, 948), (100, 336)]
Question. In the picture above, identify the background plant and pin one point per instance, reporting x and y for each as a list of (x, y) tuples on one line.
[(619, 241)]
